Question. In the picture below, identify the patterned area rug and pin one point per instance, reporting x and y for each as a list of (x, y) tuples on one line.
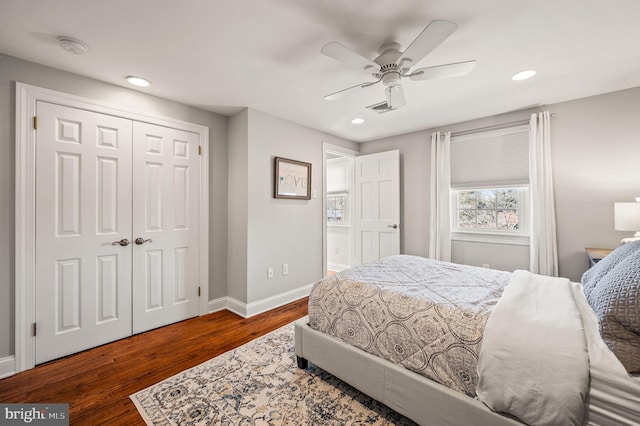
[(259, 384)]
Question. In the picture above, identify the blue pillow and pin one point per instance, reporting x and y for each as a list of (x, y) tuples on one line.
[(616, 301), (591, 278)]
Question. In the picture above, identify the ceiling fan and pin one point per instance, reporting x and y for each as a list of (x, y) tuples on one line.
[(392, 65)]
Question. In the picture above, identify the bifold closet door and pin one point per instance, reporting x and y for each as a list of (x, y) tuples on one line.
[(83, 222), (165, 226)]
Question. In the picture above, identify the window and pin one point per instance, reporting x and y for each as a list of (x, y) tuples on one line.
[(493, 210), (337, 209), (489, 185)]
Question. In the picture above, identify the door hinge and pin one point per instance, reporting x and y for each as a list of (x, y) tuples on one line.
[(35, 122), (198, 291), (33, 329), (199, 149)]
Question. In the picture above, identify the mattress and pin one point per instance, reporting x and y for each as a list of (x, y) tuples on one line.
[(425, 315)]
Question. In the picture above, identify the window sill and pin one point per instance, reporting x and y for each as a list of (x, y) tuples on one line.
[(491, 238), (338, 225)]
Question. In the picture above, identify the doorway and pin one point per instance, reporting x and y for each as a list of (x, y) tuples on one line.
[(361, 201), (339, 212)]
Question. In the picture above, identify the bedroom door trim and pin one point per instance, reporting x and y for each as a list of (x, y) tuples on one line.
[(26, 97), (326, 149)]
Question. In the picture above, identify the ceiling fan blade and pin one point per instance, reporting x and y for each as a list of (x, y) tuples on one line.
[(339, 94), (395, 96), (435, 33), (443, 71), (342, 53)]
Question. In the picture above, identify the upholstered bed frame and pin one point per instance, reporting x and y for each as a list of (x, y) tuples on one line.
[(420, 399)]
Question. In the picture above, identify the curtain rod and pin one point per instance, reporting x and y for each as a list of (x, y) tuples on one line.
[(494, 127)]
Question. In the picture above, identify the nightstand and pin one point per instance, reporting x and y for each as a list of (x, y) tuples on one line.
[(596, 254)]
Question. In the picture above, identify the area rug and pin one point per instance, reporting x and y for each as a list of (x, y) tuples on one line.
[(260, 384)]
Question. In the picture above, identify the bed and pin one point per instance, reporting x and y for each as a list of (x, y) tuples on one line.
[(441, 343)]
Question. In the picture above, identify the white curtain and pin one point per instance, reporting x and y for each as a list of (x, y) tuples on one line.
[(543, 244), (440, 205)]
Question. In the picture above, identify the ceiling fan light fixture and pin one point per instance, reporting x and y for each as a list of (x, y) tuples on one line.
[(523, 75), (395, 96), (357, 120), (138, 81)]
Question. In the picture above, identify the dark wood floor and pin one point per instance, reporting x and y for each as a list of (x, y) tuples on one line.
[(97, 383)]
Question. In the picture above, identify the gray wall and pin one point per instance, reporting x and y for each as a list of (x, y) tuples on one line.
[(596, 161), (238, 185), (276, 231), (595, 154), (12, 70)]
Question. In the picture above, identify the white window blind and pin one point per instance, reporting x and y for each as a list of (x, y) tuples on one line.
[(490, 159), (337, 176)]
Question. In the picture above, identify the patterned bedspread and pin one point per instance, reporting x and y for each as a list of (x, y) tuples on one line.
[(423, 314)]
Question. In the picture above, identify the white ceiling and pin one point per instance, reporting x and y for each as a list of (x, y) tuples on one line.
[(265, 54)]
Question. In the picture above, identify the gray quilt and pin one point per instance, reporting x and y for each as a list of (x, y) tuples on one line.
[(423, 314)]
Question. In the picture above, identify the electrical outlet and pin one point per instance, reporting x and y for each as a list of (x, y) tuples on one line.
[(485, 265), (270, 272), (285, 269)]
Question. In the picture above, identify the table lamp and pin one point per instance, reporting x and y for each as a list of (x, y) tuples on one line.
[(627, 218)]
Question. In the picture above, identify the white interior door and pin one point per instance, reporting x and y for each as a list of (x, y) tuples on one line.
[(165, 226), (83, 205), (377, 221)]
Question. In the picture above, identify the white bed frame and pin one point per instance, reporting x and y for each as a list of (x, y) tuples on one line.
[(416, 397)]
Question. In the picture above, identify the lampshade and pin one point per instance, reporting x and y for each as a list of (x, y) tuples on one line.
[(627, 217)]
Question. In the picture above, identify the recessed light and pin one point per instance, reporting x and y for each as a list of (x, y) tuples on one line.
[(523, 75), (138, 81), (357, 121)]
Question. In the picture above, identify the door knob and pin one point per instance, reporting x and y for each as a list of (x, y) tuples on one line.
[(139, 241), (394, 226), (123, 242)]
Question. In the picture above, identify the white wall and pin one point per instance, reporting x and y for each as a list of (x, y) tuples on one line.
[(339, 236), (12, 70), (278, 230), (339, 247)]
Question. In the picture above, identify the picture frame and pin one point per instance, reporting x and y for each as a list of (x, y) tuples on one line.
[(292, 179)]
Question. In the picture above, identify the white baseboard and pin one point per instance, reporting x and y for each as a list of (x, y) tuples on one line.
[(7, 366), (337, 267), (216, 305), (237, 307), (248, 310)]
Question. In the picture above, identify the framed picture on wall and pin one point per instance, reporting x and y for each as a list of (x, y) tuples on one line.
[(292, 179)]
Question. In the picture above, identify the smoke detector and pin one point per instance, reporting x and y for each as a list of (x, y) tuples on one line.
[(73, 45)]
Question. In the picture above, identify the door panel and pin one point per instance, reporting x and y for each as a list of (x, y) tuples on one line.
[(83, 193), (165, 188), (377, 209)]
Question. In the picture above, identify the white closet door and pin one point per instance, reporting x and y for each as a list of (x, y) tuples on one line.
[(165, 206), (83, 204), (377, 221)]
